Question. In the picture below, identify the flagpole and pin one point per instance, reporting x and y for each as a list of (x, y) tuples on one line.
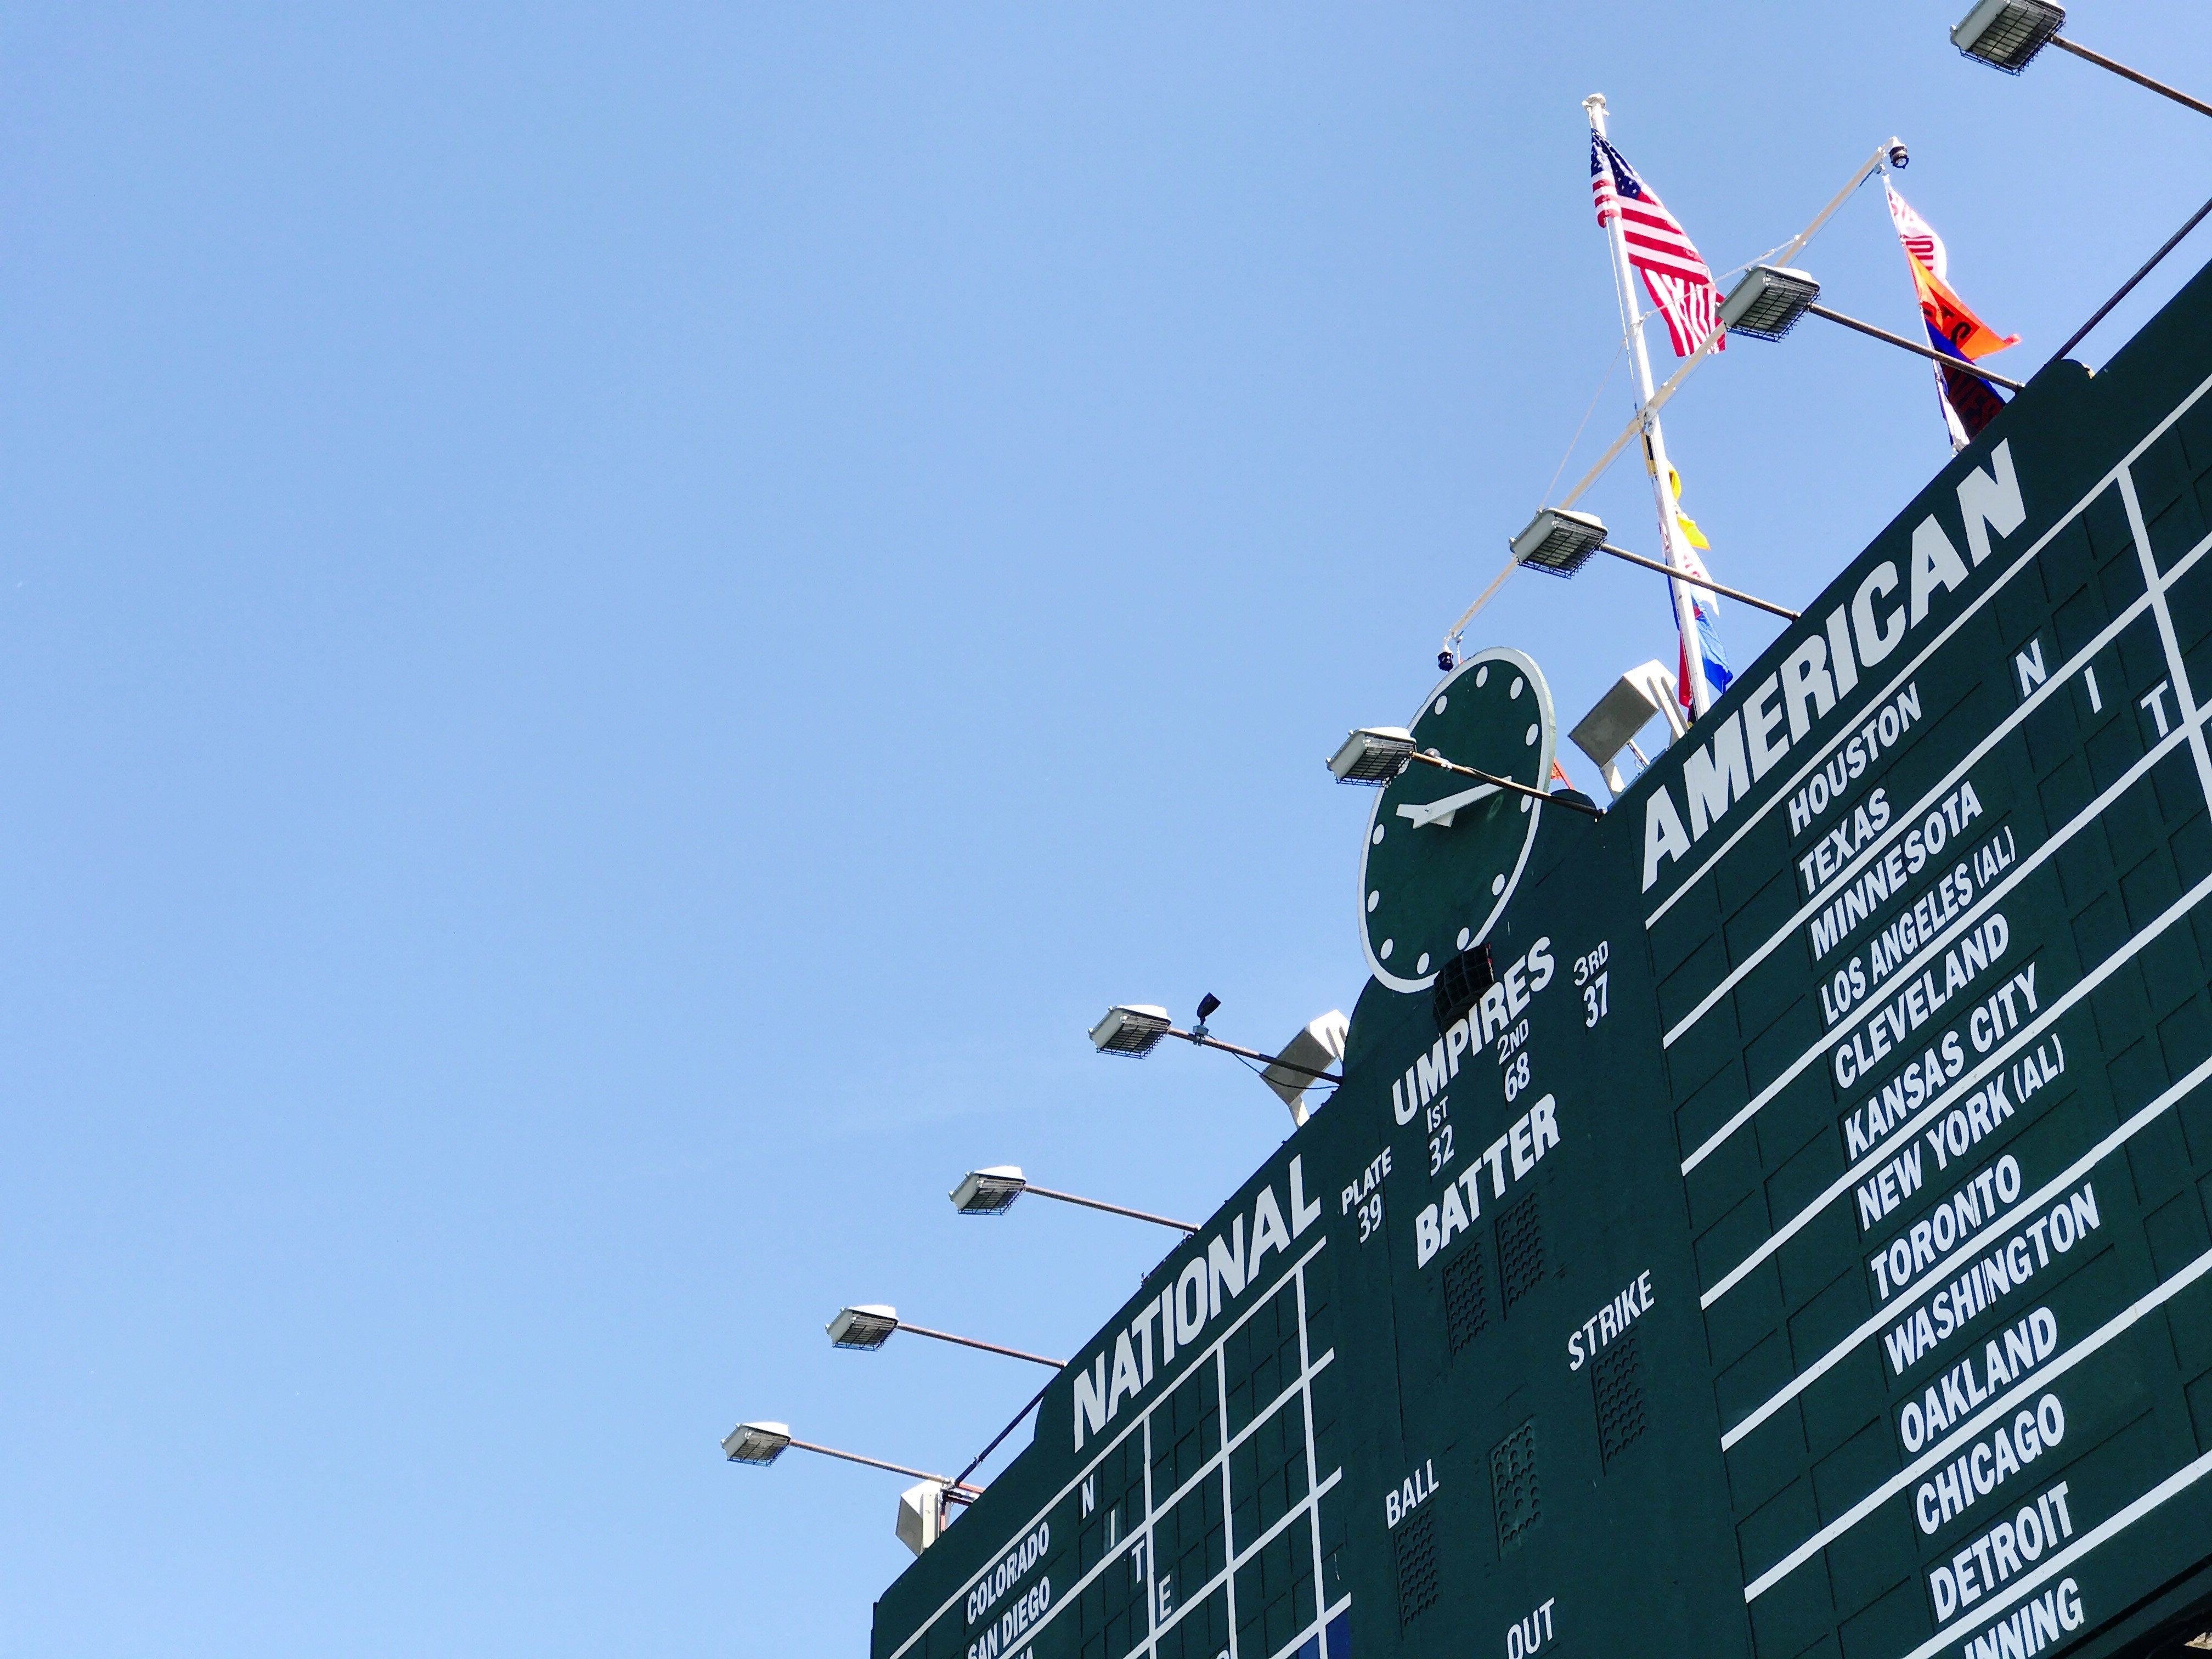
[(1655, 443)]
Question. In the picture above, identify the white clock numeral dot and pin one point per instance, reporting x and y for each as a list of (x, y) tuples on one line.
[(1497, 886), (1378, 835), (1389, 945), (1517, 684), (1531, 738), (1422, 966), (1482, 675), (1440, 703), (1465, 934), (1373, 899)]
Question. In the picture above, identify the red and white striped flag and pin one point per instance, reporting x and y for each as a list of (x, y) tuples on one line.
[(1675, 274)]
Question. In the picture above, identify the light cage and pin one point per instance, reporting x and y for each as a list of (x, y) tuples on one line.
[(2006, 35), (1135, 1032), (756, 1443), (867, 1328), (1768, 301), (1373, 754), (989, 1191), (1559, 542)]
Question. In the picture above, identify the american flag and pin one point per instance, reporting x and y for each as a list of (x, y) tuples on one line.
[(1675, 273)]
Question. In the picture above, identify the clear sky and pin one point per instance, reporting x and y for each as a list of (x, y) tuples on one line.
[(616, 625)]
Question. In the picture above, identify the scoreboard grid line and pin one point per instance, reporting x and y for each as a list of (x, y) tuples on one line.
[(1322, 1621), (1938, 1276), (1939, 1452), (1307, 1371), (2012, 1045), (1967, 918), (2180, 1480), (1906, 818), (1694, 876), (1197, 1598), (1218, 1463), (2176, 665)]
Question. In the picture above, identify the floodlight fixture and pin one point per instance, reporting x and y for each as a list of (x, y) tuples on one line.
[(758, 1444), (2006, 35), (762, 1443), (1409, 753), (1113, 1034), (1373, 754), (867, 1328), (1768, 301), (1559, 542), (1133, 1031), (989, 1191), (992, 1192)]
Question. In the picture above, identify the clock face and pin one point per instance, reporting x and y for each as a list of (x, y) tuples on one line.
[(1442, 851)]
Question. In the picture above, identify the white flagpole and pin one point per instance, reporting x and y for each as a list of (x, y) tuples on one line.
[(1655, 444)]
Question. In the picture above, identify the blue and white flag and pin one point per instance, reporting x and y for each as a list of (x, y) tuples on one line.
[(1704, 604)]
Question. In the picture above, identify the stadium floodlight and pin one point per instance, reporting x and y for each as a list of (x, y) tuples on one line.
[(1768, 301), (1373, 754), (921, 1515), (992, 1192), (867, 1328), (1408, 753), (760, 1443), (2007, 34), (1133, 1031), (1559, 542), (989, 1191), (1137, 1031)]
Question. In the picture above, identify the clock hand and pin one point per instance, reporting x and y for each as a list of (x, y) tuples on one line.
[(1441, 812)]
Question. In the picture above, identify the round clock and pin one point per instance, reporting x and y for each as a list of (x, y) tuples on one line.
[(1442, 851)]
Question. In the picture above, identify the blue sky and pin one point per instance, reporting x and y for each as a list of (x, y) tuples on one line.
[(616, 628)]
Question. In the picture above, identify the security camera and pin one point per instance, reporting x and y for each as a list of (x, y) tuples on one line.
[(1897, 158)]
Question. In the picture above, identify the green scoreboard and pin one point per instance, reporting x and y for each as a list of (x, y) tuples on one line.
[(1768, 1219)]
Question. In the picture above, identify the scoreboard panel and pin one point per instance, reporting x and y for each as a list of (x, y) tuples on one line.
[(1800, 1245)]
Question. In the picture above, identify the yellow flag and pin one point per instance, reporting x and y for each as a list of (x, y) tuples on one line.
[(1689, 525)]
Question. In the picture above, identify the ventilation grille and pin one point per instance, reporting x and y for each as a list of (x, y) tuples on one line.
[(1618, 1377), (1513, 1485), (1460, 985), (1520, 1249), (1467, 1297), (1415, 1544)]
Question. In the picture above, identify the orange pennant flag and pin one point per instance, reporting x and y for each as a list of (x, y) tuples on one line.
[(1950, 319)]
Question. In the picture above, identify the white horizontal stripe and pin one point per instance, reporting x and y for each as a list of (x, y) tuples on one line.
[(1971, 1428)]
